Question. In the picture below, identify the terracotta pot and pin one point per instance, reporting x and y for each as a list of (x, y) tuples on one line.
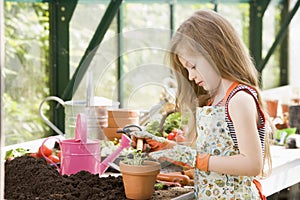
[(285, 108), (111, 133), (296, 101), (123, 113), (272, 106), (122, 122), (139, 180)]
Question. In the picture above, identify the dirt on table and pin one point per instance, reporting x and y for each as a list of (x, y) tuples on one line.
[(32, 178)]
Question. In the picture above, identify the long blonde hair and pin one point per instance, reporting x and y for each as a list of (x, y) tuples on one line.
[(209, 34)]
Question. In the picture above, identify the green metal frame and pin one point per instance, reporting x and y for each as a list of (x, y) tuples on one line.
[(284, 60), (257, 10), (282, 32), (97, 38), (60, 16), (120, 61)]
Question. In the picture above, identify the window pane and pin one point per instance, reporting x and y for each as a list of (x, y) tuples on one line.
[(271, 25), (25, 71), (184, 11), (146, 35), (84, 23)]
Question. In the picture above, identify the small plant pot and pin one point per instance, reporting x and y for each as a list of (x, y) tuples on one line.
[(123, 113), (111, 133), (139, 180), (272, 106), (122, 122)]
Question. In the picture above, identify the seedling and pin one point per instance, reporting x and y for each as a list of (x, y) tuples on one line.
[(135, 157)]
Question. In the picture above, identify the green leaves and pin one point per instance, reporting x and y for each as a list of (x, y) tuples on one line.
[(173, 121), (13, 153), (135, 157)]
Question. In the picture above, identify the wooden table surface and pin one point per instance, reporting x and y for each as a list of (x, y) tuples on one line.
[(285, 170)]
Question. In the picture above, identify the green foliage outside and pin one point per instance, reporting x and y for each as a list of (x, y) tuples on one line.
[(25, 73)]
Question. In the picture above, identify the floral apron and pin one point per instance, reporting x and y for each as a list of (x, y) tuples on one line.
[(214, 138)]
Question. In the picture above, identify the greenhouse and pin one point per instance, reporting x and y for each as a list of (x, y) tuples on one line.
[(206, 91)]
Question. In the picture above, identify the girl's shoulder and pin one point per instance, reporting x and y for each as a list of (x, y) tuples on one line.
[(242, 96), (245, 88), (244, 101)]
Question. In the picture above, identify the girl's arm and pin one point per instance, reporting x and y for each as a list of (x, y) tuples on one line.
[(249, 162)]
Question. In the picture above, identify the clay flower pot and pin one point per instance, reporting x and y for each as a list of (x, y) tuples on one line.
[(111, 133), (139, 180), (123, 113), (121, 122), (117, 119), (272, 106)]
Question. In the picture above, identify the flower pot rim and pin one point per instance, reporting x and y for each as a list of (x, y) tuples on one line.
[(147, 166), (146, 163)]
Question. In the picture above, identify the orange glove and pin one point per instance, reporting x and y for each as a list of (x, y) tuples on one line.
[(157, 146), (202, 161)]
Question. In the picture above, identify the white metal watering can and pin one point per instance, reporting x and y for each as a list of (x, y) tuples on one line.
[(96, 116)]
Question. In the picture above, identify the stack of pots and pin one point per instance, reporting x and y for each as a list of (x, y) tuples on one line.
[(117, 120)]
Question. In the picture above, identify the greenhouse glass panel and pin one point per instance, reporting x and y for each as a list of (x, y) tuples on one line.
[(271, 23), (26, 70), (103, 71), (145, 39)]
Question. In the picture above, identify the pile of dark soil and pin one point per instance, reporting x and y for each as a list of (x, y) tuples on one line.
[(32, 178)]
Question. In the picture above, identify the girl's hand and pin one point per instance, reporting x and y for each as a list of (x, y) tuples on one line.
[(151, 142), (180, 155), (149, 145), (146, 134), (183, 156)]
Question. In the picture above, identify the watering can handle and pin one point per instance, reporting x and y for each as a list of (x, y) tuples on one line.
[(48, 159), (81, 128), (45, 118)]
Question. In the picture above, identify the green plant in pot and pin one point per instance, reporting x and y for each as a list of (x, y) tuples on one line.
[(139, 175)]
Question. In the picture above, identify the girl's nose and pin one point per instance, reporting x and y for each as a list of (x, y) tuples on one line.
[(191, 75)]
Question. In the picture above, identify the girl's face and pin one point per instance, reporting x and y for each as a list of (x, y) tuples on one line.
[(200, 71)]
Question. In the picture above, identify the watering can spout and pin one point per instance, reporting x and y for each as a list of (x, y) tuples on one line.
[(125, 143)]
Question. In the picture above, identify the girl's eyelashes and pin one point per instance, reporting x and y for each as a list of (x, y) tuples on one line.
[(193, 67)]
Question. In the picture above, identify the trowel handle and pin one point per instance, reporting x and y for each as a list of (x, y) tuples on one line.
[(140, 144)]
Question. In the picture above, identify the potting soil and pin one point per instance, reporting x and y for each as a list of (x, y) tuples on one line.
[(32, 178)]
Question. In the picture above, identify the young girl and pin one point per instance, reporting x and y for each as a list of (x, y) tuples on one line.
[(218, 82)]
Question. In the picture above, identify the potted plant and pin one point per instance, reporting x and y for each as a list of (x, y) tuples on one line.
[(139, 175)]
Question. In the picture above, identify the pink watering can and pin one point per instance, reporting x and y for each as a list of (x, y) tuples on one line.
[(83, 154)]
